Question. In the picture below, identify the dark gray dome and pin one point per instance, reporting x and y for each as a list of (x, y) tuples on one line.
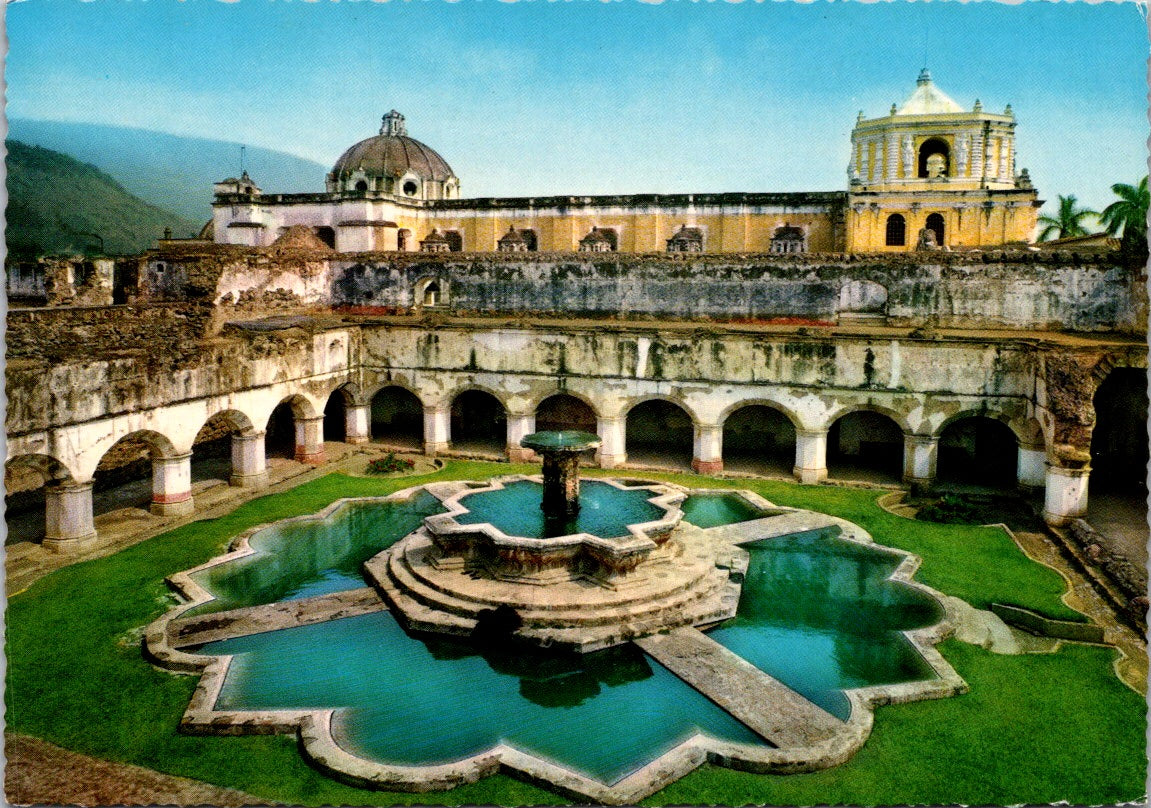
[(393, 154)]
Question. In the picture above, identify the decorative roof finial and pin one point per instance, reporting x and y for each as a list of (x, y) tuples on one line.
[(924, 77), (393, 124), (978, 106)]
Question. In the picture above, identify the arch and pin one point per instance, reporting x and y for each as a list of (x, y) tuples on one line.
[(336, 416), (862, 297), (896, 234), (1119, 444), (562, 410), (212, 446), (978, 450), (479, 422), (123, 477), (758, 438), (935, 224), (865, 444), (934, 159), (455, 240), (431, 291), (350, 392), (659, 432), (361, 185), (397, 417), (980, 412)]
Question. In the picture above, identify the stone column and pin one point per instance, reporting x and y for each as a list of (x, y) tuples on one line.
[(172, 485), (1065, 495), (561, 484), (612, 451), (810, 455), (920, 455), (249, 467), (519, 427), (1032, 470), (310, 440), (707, 456), (357, 423), (437, 429), (68, 517)]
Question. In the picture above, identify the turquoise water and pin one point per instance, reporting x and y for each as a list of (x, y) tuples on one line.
[(817, 613), (424, 701), (308, 558), (605, 510), (713, 510)]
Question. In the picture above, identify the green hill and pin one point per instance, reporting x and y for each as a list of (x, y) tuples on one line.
[(171, 171), (57, 204)]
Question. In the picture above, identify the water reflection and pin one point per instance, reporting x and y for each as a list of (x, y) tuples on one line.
[(605, 510)]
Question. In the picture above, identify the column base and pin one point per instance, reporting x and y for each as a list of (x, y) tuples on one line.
[(918, 483), (809, 476), (518, 454), (182, 507), (254, 481), (356, 440), (610, 461), (72, 544), (1059, 520), (432, 448), (317, 458), (706, 466)]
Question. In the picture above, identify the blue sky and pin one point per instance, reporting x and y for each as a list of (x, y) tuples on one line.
[(533, 98)]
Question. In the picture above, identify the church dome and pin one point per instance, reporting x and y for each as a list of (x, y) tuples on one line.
[(392, 162)]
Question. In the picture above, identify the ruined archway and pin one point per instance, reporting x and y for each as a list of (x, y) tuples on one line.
[(758, 439), (397, 418), (978, 451), (1119, 452), (659, 433), (124, 477), (336, 414), (479, 424), (212, 447), (865, 445)]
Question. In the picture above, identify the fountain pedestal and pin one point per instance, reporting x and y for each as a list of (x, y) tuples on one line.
[(560, 451)]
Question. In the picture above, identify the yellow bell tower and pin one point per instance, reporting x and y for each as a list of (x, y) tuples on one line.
[(931, 175)]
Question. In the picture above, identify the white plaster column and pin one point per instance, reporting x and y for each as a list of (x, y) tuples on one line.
[(612, 450), (707, 454), (310, 440), (357, 423), (68, 517), (1065, 495), (249, 464), (519, 427), (810, 455), (172, 485), (1032, 468), (920, 457), (437, 429)]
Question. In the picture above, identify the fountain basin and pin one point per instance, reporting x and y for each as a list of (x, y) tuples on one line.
[(544, 559)]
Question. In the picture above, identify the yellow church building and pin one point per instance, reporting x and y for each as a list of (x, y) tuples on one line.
[(929, 175)]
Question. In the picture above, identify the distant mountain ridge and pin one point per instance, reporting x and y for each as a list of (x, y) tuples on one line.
[(169, 171), (57, 204)]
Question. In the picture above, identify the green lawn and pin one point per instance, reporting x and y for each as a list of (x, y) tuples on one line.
[(1033, 729)]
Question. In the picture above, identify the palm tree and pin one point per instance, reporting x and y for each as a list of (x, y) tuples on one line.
[(1128, 216), (1129, 212), (1067, 222)]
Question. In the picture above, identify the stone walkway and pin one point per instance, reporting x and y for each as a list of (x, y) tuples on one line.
[(767, 706)]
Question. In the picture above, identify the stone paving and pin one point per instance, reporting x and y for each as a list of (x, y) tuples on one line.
[(768, 707)]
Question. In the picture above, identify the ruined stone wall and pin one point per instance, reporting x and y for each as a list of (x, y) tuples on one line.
[(1017, 290)]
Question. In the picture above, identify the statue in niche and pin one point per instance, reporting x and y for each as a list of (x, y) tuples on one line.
[(908, 156), (926, 240), (961, 155), (936, 166)]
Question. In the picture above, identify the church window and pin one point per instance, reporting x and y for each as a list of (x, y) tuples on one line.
[(896, 230)]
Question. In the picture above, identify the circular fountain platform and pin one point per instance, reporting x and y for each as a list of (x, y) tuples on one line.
[(577, 591)]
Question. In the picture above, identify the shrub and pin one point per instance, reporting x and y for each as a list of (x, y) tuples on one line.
[(389, 464), (950, 510)]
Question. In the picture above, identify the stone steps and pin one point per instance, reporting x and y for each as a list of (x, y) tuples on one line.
[(464, 597)]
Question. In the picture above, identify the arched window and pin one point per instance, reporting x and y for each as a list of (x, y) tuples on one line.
[(934, 159), (361, 186), (403, 240), (432, 294), (935, 222), (896, 230)]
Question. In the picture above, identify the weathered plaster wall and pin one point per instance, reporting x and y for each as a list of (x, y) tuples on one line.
[(1025, 290)]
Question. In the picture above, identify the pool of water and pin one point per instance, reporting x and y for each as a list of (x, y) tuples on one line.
[(713, 510), (307, 558), (818, 613), (424, 701), (605, 510)]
